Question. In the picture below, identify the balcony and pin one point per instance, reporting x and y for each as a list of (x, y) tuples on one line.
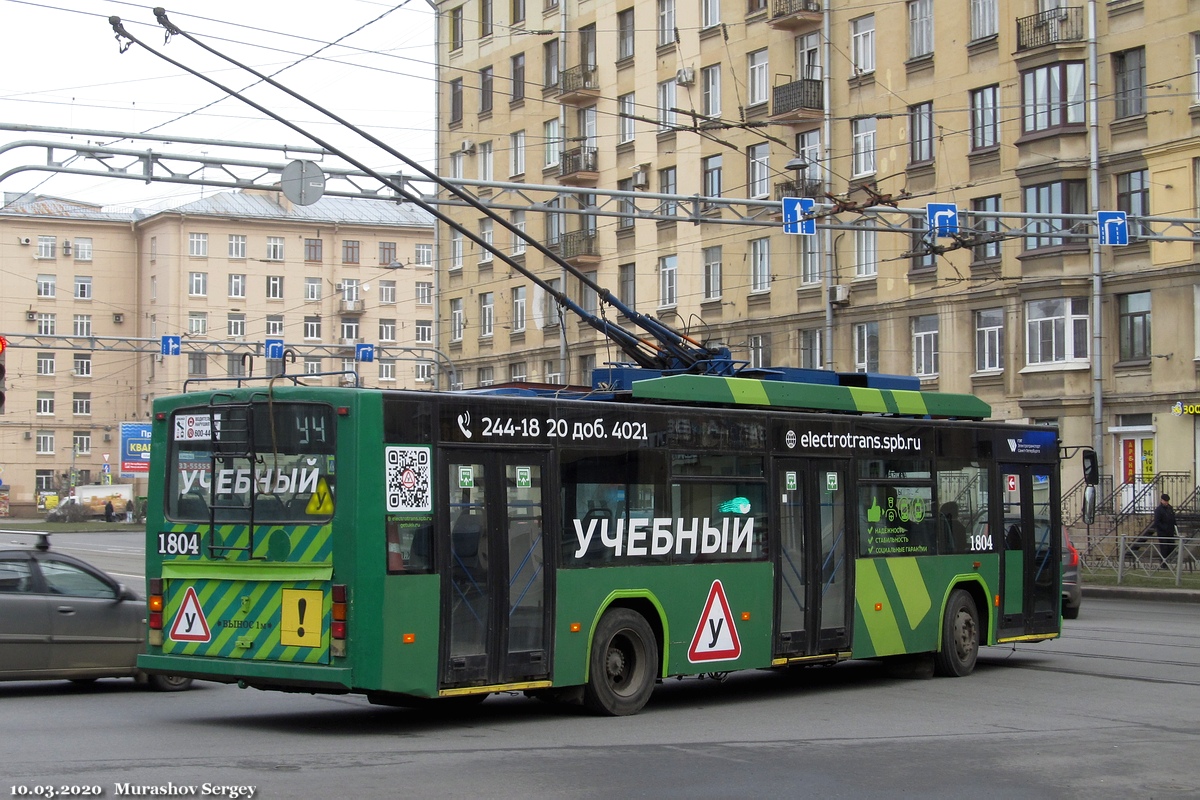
[(791, 15), (348, 343), (352, 306), (579, 85), (580, 248), (1051, 27), (579, 166), (798, 101), (803, 188)]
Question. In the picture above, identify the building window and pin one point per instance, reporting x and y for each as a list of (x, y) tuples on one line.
[(625, 112), (1056, 331), (350, 251), (666, 22), (423, 372), (667, 287), (47, 285), (866, 251), (925, 345), (517, 11), (710, 13), (83, 287), (485, 376), (518, 222), (550, 64), (810, 260), (985, 119), (710, 85), (921, 241), (711, 168), (667, 185), (82, 442), (863, 144), (812, 351), (312, 327), (314, 250), (387, 369), (1129, 74), (486, 228), (627, 284), (198, 244), (588, 299), (920, 133), (423, 293), (235, 326), (1195, 68), (920, 28), (756, 81), (387, 330), (518, 309), (349, 329), (274, 287), (456, 28), (83, 248), (758, 351), (45, 363), (424, 331), (666, 105), (517, 372), (866, 347), (456, 102), (517, 65), (487, 311), (387, 292), (485, 161), (234, 366), (712, 273), (862, 44), (44, 480), (760, 265), (1133, 325), (485, 90), (47, 324), (198, 323), (755, 6), (350, 290), (485, 18), (551, 311), (758, 170), (83, 365), (237, 245), (625, 34), (197, 364), (989, 340), (456, 249), (387, 254), (457, 320), (1052, 97), (274, 325), (198, 284), (45, 443), (1046, 200), (312, 289), (551, 373), (45, 404), (81, 325), (987, 227), (984, 19), (1133, 197), (422, 255), (516, 153), (552, 139)]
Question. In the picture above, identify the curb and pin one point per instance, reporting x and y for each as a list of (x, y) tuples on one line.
[(1143, 593)]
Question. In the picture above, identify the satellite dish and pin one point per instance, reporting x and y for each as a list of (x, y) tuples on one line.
[(303, 182), (366, 287)]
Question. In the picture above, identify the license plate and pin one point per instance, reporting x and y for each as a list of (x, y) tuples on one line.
[(179, 544)]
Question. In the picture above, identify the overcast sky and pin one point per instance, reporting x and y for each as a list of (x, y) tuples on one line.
[(63, 67)]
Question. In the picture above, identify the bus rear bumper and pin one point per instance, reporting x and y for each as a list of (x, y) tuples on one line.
[(260, 674)]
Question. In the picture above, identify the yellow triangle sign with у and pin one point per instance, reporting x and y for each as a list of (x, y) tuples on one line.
[(321, 502)]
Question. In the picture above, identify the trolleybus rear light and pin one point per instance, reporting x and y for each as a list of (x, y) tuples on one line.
[(343, 411), (997, 601), (155, 603), (160, 416), (409, 638), (338, 629), (745, 616), (338, 590)]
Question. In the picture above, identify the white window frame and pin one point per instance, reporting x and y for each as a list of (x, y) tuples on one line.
[(920, 28), (83, 248), (83, 287), (866, 252), (516, 153), (274, 248), (237, 245), (423, 255), (925, 345), (387, 330), (863, 143), (237, 285), (274, 287), (198, 245), (668, 286), (710, 89), (810, 260), (760, 265), (486, 233), (81, 325), (758, 170), (487, 314), (866, 347), (666, 22), (812, 348), (235, 326), (989, 340), (552, 136), (44, 443), (82, 365), (312, 290), (46, 363), (423, 293), (666, 105), (458, 322), (518, 309), (485, 161), (984, 19), (387, 293), (1062, 324), (626, 131), (862, 44), (312, 328), (423, 331), (47, 286), (711, 257), (518, 222), (197, 284), (757, 65), (198, 323)]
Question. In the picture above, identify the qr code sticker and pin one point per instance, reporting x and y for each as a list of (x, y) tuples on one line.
[(409, 479)]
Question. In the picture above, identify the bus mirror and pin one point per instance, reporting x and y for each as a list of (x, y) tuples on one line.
[(1089, 505), (1091, 468)]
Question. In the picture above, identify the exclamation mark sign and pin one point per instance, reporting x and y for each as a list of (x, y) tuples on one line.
[(300, 607)]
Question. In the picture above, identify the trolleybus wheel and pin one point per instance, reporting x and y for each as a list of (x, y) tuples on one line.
[(623, 664), (960, 637)]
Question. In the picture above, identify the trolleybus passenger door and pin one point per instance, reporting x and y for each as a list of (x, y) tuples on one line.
[(812, 583), (1031, 543), (495, 596)]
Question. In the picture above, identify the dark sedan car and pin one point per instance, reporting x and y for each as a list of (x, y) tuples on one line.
[(60, 617)]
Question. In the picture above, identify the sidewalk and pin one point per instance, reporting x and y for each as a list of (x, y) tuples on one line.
[(1167, 595)]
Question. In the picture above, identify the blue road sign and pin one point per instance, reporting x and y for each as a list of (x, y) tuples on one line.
[(106, 468), (794, 209), (171, 345), (364, 352), (943, 219), (273, 348), (1114, 227)]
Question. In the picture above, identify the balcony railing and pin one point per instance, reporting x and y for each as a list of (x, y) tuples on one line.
[(352, 306), (789, 14), (1050, 27), (581, 81), (800, 99), (804, 188), (577, 244), (578, 160)]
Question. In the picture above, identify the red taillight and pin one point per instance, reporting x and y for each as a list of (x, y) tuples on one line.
[(156, 620), (1072, 553), (338, 627)]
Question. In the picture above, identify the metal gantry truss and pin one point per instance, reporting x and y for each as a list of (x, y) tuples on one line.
[(877, 213)]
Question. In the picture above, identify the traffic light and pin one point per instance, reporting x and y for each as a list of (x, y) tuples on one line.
[(3, 351)]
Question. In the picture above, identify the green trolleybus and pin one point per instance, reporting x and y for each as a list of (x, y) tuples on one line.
[(416, 545)]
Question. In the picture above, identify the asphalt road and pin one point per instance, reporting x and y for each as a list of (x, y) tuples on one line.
[(1107, 711)]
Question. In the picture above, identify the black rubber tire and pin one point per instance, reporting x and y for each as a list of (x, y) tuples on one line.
[(169, 683), (623, 664), (960, 637), (1070, 612)]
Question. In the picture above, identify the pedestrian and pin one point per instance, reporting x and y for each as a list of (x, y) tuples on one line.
[(129, 511), (108, 511), (1164, 526)]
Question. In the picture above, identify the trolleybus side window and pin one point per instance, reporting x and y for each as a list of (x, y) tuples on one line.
[(962, 506)]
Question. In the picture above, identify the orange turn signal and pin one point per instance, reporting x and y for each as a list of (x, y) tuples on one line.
[(409, 638), (879, 606), (155, 602), (576, 627)]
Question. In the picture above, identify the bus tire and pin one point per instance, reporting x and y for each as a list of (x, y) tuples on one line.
[(623, 664), (960, 637)]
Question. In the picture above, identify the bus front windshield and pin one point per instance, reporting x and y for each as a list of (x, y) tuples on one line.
[(261, 463)]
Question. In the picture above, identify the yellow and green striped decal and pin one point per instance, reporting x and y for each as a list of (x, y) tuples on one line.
[(257, 619), (810, 396), (299, 544)]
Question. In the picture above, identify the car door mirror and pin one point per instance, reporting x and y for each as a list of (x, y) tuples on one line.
[(125, 593)]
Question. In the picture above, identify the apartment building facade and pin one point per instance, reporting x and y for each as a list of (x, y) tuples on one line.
[(90, 294), (980, 103)]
